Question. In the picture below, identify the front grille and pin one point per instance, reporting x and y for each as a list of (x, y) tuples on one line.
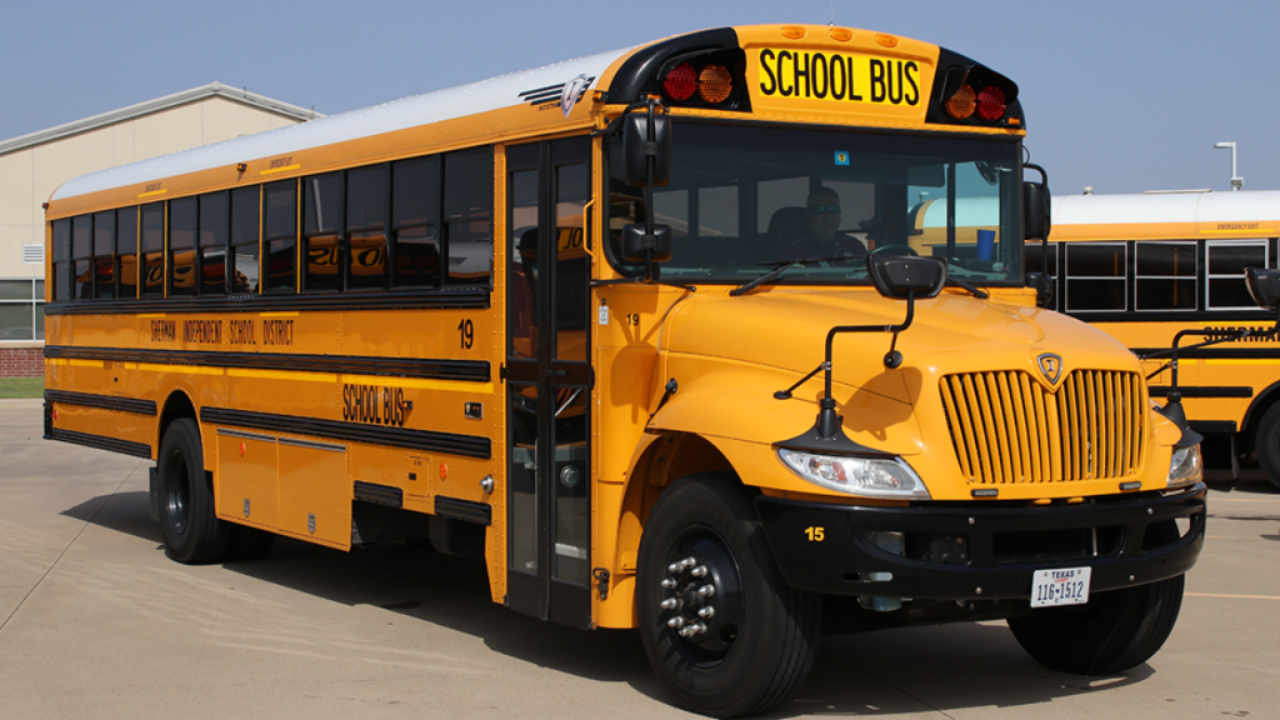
[(1008, 429)]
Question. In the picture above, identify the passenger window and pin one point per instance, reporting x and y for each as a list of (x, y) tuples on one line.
[(1096, 277), (62, 260), (468, 217), (104, 254), (415, 222), (182, 247), (366, 228), (1227, 260), (153, 249), (212, 250), (1165, 277), (127, 250), (280, 231), (244, 240), (81, 256), (322, 222)]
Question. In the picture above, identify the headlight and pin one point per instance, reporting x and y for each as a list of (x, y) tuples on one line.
[(870, 476), (1186, 468)]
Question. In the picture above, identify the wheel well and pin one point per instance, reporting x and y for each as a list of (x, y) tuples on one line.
[(1257, 409), (671, 457), (176, 406)]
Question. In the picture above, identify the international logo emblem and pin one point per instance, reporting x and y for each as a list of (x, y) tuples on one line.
[(572, 93), (1051, 367)]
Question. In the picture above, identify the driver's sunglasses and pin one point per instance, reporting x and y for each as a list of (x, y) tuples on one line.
[(824, 209)]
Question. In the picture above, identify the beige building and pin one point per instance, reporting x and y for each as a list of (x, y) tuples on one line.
[(33, 166)]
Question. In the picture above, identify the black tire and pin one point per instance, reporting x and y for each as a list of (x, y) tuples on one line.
[(193, 534), (249, 543), (1114, 631), (759, 645), (1267, 443)]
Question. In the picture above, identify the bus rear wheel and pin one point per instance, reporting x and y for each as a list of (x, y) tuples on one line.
[(720, 626), (1267, 442), (193, 534), (1114, 631)]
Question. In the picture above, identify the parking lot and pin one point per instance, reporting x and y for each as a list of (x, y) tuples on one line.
[(96, 623)]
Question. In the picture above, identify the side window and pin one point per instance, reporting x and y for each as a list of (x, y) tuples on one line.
[(280, 231), (182, 247), (468, 217), (321, 225), (244, 240), (415, 222), (211, 249), (82, 256), (1096, 277), (153, 249), (127, 250), (62, 260), (1032, 261), (104, 254), (1165, 276), (366, 228), (1227, 260)]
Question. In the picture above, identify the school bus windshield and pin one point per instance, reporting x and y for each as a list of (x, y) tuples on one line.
[(742, 199)]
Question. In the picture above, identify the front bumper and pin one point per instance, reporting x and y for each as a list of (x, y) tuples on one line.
[(992, 548)]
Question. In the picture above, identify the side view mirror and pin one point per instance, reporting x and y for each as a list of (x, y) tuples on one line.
[(1264, 286), (646, 135), (1043, 285), (895, 276), (1035, 211), (638, 247)]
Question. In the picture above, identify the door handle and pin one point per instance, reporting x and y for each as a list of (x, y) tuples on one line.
[(558, 373)]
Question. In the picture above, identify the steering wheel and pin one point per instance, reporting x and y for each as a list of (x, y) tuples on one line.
[(894, 250)]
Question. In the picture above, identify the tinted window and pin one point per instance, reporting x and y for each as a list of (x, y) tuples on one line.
[(62, 259), (415, 211), (153, 249), (322, 221), (280, 231), (468, 216), (182, 242), (1096, 276), (127, 250), (215, 210), (104, 258), (366, 227), (1227, 261), (244, 240), (1165, 276)]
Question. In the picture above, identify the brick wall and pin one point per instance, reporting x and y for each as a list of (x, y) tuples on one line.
[(21, 362)]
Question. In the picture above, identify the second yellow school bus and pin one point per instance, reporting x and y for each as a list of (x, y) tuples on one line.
[(1144, 267), (646, 332)]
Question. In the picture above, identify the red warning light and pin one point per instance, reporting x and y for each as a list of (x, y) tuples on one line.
[(991, 103), (681, 83)]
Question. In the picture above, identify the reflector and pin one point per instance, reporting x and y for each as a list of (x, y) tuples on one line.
[(681, 82), (991, 103), (961, 105), (715, 84)]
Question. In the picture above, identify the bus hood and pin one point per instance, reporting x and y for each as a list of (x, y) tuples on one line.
[(785, 330)]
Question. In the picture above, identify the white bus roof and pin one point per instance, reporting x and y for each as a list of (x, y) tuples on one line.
[(503, 91), (1173, 207)]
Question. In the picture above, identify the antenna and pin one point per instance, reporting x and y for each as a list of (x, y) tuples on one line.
[(833, 13)]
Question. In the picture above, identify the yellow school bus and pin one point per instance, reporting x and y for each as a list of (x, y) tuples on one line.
[(1145, 267), (648, 334)]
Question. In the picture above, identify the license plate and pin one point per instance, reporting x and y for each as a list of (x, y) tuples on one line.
[(1063, 586)]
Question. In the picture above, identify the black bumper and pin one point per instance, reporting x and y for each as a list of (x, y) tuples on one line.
[(996, 562)]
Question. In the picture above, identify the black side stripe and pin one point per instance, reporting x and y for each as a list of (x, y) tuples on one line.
[(1233, 351), (467, 298), (102, 443), (1203, 391), (106, 402), (425, 440), (465, 510), (467, 370)]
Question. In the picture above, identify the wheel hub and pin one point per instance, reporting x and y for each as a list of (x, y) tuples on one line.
[(701, 599)]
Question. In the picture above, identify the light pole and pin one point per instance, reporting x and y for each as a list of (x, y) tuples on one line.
[(1237, 182)]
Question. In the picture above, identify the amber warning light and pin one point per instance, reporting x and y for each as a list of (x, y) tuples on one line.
[(713, 83)]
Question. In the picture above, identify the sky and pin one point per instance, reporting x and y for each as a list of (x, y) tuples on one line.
[(1122, 96)]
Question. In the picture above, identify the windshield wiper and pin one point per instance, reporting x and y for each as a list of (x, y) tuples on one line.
[(973, 290), (783, 266)]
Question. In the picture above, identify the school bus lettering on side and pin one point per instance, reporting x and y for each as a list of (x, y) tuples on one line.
[(277, 332), (202, 331), (164, 331), (374, 404), (241, 332), (839, 77)]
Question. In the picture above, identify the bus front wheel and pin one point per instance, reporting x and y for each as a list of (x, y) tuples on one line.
[(1267, 441), (1114, 631), (720, 626), (193, 534)]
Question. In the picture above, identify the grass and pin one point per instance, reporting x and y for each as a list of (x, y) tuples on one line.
[(25, 387)]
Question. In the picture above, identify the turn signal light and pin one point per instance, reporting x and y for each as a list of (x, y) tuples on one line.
[(681, 82), (715, 84), (991, 103), (961, 105)]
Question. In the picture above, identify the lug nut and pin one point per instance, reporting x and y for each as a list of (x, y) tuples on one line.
[(669, 583), (707, 590), (675, 567), (707, 612), (700, 571), (676, 622), (669, 604), (688, 562), (689, 631)]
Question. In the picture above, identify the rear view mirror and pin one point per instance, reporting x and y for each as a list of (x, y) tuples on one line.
[(897, 275), (637, 148), (1035, 211), (636, 245), (1264, 286)]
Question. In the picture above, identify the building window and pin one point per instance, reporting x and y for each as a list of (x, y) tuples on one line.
[(1227, 260), (22, 309), (1165, 276), (1096, 277)]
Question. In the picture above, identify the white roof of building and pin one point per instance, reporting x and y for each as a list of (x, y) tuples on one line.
[(213, 89), (1167, 207), (531, 86)]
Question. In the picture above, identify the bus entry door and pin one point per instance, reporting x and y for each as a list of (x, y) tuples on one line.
[(549, 381)]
